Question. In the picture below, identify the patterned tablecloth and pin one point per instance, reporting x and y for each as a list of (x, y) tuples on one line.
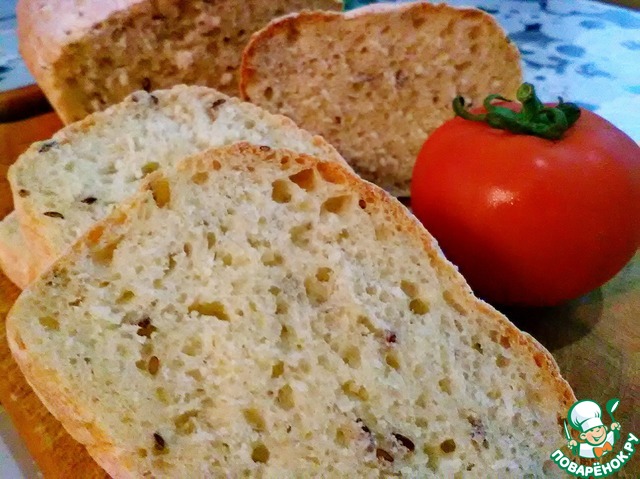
[(583, 50)]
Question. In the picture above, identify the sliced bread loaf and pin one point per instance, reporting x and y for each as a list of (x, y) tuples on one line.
[(378, 80), (87, 55), (260, 313), (63, 185), (16, 261)]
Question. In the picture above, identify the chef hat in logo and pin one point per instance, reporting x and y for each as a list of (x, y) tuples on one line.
[(585, 415)]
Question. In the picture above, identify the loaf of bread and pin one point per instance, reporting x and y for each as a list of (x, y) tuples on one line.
[(261, 313), (375, 82), (15, 257), (89, 54), (63, 185)]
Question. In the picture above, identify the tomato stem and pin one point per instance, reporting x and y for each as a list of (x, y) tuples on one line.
[(534, 118)]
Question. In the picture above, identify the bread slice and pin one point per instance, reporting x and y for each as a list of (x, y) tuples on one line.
[(63, 185), (260, 313), (16, 261), (91, 54), (378, 80)]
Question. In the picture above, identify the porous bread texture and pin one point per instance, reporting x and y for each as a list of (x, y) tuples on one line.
[(16, 261), (378, 80), (91, 54), (262, 313), (63, 185)]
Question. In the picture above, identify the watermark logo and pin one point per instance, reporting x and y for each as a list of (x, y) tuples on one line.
[(596, 441)]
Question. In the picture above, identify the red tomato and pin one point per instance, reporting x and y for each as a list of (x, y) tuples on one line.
[(527, 220)]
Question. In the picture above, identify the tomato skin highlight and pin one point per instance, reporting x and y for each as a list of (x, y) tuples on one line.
[(531, 221)]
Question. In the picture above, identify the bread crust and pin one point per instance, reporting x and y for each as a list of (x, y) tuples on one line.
[(78, 419)]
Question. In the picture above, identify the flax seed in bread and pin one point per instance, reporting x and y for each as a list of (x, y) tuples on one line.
[(87, 55), (261, 313), (378, 80), (63, 185)]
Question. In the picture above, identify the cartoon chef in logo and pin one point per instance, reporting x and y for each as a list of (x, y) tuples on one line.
[(595, 438)]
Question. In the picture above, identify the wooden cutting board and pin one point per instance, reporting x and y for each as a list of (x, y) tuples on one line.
[(595, 340)]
